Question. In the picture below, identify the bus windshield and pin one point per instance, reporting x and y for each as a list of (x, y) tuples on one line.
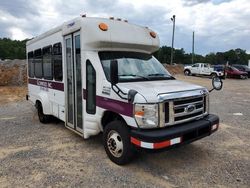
[(134, 66)]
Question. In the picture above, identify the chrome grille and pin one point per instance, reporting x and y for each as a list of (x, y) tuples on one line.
[(185, 109)]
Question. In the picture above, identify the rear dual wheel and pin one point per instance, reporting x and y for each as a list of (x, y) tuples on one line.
[(213, 75), (42, 117)]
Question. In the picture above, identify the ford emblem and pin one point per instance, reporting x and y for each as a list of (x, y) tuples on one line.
[(190, 108)]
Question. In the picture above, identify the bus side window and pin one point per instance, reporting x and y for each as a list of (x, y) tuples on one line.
[(47, 63), (57, 58), (91, 88), (38, 63), (31, 64)]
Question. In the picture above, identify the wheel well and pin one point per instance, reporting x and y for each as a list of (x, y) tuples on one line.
[(37, 103), (187, 70), (110, 116)]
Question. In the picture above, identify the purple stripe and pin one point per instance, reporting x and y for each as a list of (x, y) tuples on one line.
[(47, 84), (120, 107), (115, 105)]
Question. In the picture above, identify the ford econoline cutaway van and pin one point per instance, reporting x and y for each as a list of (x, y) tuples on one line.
[(99, 75)]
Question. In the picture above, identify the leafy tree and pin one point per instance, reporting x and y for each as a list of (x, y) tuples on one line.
[(15, 49), (233, 56), (12, 49)]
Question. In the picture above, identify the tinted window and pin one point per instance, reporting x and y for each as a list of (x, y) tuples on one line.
[(91, 88), (47, 63), (31, 64), (195, 65), (57, 57), (38, 63)]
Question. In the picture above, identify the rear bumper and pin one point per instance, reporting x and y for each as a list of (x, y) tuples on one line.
[(176, 135)]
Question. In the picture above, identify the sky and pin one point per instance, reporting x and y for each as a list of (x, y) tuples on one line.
[(219, 25)]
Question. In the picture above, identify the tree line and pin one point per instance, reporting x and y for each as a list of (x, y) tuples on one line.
[(233, 56), (15, 49), (12, 49)]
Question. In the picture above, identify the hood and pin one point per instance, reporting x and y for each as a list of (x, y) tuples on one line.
[(151, 89)]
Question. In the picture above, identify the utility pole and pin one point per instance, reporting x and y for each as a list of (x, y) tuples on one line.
[(172, 50), (193, 49)]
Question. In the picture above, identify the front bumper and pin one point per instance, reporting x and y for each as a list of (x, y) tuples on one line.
[(175, 135)]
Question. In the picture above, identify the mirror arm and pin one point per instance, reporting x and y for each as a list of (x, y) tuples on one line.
[(118, 91), (211, 90)]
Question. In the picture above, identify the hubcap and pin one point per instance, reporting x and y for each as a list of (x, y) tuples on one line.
[(115, 144)]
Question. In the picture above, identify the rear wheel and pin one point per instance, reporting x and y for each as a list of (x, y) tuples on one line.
[(187, 72), (42, 117), (213, 75), (116, 138)]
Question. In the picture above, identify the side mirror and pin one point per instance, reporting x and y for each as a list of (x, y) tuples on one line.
[(114, 72), (216, 83)]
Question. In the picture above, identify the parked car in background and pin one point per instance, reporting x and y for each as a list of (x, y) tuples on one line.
[(219, 68), (243, 68), (232, 72), (202, 69)]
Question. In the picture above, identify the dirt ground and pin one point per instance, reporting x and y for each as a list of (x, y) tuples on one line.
[(12, 94), (49, 155)]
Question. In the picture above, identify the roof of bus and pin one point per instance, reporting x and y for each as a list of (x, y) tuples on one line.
[(119, 35)]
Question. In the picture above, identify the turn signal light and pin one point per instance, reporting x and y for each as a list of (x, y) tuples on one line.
[(153, 34), (103, 26), (139, 113)]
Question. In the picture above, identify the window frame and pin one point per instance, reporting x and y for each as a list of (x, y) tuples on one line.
[(35, 57), (57, 54), (195, 65), (51, 61), (90, 111), (31, 63)]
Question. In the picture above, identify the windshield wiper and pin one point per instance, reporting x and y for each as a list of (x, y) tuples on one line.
[(156, 74), (134, 75), (161, 75)]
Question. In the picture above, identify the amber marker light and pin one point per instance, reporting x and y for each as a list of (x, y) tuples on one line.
[(103, 26), (139, 113), (153, 34)]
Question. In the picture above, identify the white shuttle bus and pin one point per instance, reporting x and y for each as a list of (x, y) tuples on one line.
[(99, 75)]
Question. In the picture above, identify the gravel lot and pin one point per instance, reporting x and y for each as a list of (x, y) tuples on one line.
[(38, 155)]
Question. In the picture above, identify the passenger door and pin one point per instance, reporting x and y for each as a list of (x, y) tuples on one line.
[(195, 69), (206, 69), (73, 103)]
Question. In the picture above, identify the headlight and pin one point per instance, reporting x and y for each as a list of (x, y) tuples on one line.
[(146, 115)]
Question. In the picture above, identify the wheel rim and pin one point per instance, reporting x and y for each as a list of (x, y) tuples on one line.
[(186, 73), (115, 144)]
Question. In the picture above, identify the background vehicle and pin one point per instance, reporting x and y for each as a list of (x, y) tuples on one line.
[(202, 69), (242, 68), (232, 72), (219, 68)]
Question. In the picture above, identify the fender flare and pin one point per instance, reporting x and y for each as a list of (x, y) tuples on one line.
[(44, 99)]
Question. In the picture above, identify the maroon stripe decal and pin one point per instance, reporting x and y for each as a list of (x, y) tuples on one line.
[(113, 105), (47, 84)]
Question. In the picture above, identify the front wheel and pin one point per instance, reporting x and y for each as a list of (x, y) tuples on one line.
[(116, 138)]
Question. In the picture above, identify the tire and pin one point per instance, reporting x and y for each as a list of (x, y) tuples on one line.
[(42, 117), (187, 72), (116, 140), (213, 75)]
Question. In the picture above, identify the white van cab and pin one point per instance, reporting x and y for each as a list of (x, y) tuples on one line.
[(99, 75)]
